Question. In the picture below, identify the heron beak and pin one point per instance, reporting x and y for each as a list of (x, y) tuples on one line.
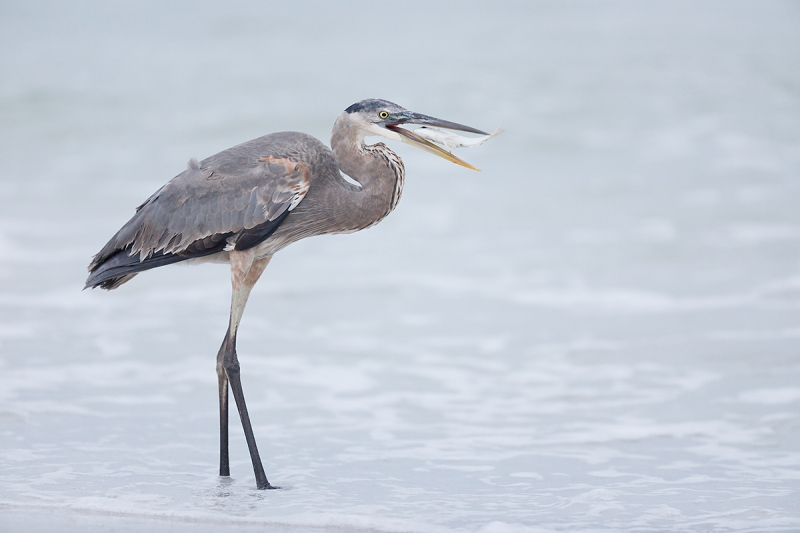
[(409, 137)]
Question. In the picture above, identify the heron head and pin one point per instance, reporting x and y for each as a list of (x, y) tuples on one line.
[(384, 118)]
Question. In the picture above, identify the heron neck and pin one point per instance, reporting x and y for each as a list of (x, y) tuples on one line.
[(376, 168)]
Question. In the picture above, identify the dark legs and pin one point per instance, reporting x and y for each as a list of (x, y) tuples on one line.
[(245, 271), (232, 369), (222, 378)]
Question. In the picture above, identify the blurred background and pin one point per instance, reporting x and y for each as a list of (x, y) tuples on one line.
[(597, 332)]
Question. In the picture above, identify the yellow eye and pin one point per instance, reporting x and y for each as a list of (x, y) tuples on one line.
[(383, 114)]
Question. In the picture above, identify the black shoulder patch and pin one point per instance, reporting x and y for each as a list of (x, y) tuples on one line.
[(254, 236)]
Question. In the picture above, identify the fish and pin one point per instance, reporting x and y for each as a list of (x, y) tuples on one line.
[(452, 140)]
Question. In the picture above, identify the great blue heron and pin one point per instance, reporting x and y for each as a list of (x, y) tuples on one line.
[(245, 203)]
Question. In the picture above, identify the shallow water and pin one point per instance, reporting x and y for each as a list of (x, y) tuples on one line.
[(599, 332)]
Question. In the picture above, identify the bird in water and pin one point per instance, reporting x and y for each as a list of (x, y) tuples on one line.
[(245, 203)]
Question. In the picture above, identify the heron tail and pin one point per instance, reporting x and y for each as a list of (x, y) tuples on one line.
[(114, 270)]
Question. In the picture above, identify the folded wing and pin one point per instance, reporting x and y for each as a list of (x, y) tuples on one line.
[(234, 200)]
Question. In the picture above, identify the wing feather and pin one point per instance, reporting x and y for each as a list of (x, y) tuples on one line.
[(222, 197)]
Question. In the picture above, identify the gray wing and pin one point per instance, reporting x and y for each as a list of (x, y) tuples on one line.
[(234, 199)]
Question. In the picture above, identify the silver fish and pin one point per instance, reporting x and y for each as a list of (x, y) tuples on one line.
[(452, 140)]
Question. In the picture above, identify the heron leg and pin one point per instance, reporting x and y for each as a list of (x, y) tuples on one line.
[(245, 271), (222, 379)]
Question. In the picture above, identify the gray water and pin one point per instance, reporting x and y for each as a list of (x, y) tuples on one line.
[(599, 332)]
